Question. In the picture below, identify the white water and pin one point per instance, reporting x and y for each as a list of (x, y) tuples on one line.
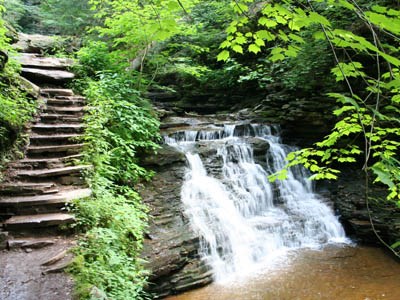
[(244, 220)]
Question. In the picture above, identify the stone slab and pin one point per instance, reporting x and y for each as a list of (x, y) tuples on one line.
[(42, 220), (31, 60), (47, 76)]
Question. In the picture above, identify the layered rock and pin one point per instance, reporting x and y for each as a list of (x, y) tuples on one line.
[(349, 196), (171, 247), (40, 44), (45, 70), (39, 76), (33, 60)]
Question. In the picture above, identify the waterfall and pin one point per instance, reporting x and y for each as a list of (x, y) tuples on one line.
[(243, 219)]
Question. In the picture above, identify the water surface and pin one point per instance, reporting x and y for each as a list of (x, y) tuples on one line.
[(359, 273)]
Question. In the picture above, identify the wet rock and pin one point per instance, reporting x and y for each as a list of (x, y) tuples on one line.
[(165, 156), (171, 247), (260, 146)]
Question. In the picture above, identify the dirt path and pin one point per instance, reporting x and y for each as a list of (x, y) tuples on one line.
[(23, 275)]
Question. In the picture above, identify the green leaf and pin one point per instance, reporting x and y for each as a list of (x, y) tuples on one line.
[(317, 18), (264, 34), (223, 55), (267, 22), (237, 48), (277, 57), (254, 48), (296, 38), (396, 99), (344, 99), (259, 42), (395, 245), (382, 174), (280, 20), (282, 175), (240, 40), (291, 156), (391, 59), (225, 44)]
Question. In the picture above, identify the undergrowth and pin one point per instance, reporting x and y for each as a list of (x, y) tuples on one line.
[(120, 125), (16, 110)]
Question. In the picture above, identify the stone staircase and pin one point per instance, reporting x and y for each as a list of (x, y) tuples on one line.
[(39, 186)]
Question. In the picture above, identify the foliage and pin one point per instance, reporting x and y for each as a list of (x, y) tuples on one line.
[(50, 16), (368, 113), (133, 25), (16, 108), (107, 256), (120, 125), (22, 15), (93, 57), (373, 113), (66, 17)]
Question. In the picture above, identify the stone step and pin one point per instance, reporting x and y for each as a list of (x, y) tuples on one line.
[(28, 188), (56, 92), (30, 242), (64, 110), (57, 128), (42, 152), (73, 97), (60, 197), (65, 102), (59, 118), (41, 220), (52, 172), (40, 76), (57, 139), (36, 61), (69, 148), (45, 163)]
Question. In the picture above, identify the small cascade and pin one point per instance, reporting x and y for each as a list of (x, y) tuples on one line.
[(243, 219)]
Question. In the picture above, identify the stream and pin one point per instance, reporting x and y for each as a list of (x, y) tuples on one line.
[(345, 273), (268, 240)]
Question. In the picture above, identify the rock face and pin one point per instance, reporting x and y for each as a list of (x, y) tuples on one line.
[(303, 121), (348, 194), (171, 247), (37, 43)]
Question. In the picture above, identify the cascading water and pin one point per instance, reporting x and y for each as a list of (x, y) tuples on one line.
[(243, 219)]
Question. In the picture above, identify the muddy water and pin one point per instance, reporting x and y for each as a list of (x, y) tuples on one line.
[(343, 273)]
